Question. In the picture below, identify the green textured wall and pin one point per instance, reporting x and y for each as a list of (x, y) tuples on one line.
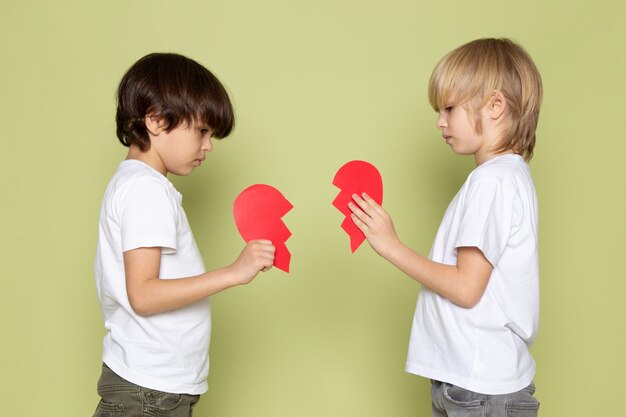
[(315, 84)]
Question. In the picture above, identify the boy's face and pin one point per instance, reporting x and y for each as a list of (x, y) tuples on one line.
[(183, 148), (459, 131)]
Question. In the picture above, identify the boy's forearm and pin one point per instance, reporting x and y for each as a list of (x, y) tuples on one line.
[(421, 269), (463, 283), (158, 295), (457, 284), (149, 294)]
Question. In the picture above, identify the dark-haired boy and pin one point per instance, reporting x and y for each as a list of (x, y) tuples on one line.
[(150, 278)]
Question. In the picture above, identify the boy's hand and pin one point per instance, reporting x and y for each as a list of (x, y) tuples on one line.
[(375, 223), (257, 256)]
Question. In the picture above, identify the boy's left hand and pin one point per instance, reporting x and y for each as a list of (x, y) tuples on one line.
[(375, 223)]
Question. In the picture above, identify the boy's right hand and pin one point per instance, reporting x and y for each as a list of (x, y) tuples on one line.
[(257, 256), (375, 223)]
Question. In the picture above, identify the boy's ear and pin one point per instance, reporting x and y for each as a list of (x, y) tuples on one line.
[(497, 104), (154, 124)]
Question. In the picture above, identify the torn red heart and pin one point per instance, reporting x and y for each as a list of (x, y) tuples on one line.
[(258, 211), (356, 177)]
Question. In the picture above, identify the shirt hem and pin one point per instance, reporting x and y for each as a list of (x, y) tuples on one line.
[(147, 382), (481, 387)]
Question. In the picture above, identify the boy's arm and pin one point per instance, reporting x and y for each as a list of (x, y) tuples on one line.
[(463, 283), (148, 294)]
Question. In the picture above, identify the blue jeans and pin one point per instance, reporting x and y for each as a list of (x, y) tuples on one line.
[(452, 401), (121, 398)]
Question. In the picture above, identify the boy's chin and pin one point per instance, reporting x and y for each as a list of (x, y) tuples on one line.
[(182, 172)]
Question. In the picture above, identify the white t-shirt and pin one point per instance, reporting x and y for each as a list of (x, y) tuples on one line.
[(485, 349), (168, 351)]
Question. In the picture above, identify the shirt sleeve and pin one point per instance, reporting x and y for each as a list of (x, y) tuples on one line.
[(486, 218), (148, 216)]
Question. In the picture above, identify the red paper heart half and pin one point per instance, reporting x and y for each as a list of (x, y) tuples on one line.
[(356, 177), (258, 211)]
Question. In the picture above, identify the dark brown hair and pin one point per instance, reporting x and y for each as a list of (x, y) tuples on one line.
[(175, 89)]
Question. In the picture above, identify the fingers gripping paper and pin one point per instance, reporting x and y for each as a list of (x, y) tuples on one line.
[(356, 177), (258, 212)]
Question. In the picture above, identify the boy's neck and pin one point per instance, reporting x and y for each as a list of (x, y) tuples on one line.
[(481, 159), (149, 157)]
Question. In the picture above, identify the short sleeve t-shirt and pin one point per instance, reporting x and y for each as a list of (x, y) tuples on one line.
[(168, 351), (485, 348)]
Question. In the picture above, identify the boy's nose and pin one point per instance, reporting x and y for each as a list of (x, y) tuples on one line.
[(441, 123), (207, 145)]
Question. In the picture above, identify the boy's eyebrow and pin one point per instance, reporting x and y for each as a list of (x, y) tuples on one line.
[(209, 129), (204, 126)]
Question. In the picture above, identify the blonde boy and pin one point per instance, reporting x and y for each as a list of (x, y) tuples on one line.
[(478, 309)]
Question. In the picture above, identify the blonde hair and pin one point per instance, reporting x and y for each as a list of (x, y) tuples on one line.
[(470, 73)]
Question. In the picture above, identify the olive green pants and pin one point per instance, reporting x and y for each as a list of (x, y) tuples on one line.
[(121, 398)]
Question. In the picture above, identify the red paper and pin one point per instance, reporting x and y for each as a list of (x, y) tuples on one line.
[(258, 211), (356, 177)]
